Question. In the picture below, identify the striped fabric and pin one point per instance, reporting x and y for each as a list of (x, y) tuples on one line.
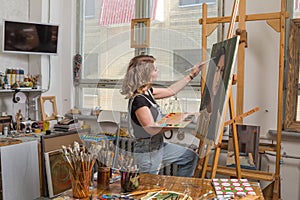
[(120, 11)]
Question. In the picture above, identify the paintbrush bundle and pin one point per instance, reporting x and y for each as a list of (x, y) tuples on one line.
[(109, 157), (80, 161), (106, 153), (80, 158), (126, 163)]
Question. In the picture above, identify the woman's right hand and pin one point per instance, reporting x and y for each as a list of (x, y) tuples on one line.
[(196, 69)]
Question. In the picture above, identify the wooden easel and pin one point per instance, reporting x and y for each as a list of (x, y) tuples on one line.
[(202, 140), (277, 22)]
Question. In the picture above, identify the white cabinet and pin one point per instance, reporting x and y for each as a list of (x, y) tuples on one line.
[(20, 171)]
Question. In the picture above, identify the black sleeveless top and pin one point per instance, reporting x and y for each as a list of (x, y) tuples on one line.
[(138, 102)]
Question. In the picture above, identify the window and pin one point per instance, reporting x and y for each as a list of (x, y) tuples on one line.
[(104, 42), (194, 2)]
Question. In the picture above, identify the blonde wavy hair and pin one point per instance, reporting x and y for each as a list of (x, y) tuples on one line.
[(138, 75)]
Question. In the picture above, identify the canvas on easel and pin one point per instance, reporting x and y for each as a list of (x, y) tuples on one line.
[(216, 89)]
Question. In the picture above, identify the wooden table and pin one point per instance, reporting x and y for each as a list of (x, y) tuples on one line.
[(196, 186)]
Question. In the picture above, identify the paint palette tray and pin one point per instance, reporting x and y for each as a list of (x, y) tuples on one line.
[(176, 120)]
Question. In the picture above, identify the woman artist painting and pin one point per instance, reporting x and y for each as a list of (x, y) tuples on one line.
[(151, 152)]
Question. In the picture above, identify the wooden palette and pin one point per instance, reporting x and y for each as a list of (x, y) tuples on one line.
[(176, 120), (9, 141)]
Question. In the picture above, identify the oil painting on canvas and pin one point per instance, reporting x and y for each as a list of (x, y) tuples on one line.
[(58, 178), (216, 90)]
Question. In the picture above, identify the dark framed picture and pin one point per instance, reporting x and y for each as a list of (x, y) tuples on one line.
[(57, 171)]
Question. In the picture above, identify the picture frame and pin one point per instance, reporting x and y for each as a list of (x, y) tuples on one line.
[(57, 173), (140, 33), (291, 123), (48, 107), (248, 145)]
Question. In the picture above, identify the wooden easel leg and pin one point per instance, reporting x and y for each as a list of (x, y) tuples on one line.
[(276, 190), (215, 162), (205, 163), (235, 140), (199, 166)]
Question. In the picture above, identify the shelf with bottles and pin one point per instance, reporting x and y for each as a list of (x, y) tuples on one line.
[(15, 79)]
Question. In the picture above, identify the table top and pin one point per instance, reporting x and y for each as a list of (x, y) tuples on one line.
[(197, 188)]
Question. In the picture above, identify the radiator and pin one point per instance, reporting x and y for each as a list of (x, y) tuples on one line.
[(126, 145)]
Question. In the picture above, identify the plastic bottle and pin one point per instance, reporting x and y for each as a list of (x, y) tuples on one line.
[(2, 79), (21, 76), (13, 77), (9, 76), (6, 83), (17, 75), (5, 130)]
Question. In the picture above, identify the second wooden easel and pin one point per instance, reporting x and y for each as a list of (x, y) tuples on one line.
[(277, 22)]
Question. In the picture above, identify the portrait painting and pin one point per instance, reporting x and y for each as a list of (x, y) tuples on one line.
[(216, 89), (58, 177)]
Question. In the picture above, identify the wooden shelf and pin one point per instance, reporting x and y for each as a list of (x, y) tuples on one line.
[(246, 173), (263, 147)]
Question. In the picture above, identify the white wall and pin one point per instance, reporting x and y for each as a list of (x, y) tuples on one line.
[(60, 67), (8, 10), (261, 65)]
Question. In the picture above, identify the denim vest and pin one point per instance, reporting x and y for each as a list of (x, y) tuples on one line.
[(145, 144)]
